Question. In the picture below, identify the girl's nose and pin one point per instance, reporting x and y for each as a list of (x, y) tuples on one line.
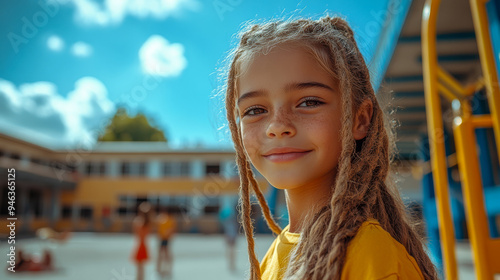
[(281, 125)]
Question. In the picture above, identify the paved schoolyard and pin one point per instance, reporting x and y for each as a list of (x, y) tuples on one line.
[(107, 256)]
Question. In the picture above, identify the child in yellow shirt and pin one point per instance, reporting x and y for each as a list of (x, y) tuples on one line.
[(167, 226), (302, 111)]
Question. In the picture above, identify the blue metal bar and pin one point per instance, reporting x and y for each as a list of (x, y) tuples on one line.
[(441, 37)]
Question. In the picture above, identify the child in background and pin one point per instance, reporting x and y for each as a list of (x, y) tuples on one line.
[(141, 227), (167, 226), (230, 226), (302, 111)]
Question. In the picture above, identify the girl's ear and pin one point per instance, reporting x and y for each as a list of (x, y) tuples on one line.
[(362, 120)]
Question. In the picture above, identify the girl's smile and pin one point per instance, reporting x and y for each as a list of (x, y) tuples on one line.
[(285, 154)]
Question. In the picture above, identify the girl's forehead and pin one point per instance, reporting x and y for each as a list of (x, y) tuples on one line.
[(283, 62), (283, 49)]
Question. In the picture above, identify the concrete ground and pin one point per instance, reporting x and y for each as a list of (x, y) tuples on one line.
[(107, 256)]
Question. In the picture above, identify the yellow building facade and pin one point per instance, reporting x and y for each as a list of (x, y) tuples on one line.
[(99, 189)]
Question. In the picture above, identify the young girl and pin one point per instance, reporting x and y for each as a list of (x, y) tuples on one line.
[(301, 110), (141, 228)]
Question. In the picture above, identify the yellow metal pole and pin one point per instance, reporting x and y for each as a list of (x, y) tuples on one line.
[(487, 58), (448, 79), (436, 137), (450, 95), (482, 121), (477, 224), (475, 87)]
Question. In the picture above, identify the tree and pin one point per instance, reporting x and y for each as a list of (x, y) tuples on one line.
[(123, 127)]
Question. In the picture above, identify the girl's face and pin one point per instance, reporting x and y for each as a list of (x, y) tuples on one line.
[(289, 109)]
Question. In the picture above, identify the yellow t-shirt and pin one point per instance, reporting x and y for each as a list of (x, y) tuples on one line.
[(166, 227), (371, 254)]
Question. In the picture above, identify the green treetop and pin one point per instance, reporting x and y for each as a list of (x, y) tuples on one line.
[(123, 127)]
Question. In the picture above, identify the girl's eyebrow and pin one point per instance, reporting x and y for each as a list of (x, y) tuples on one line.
[(294, 86), (288, 87), (249, 94)]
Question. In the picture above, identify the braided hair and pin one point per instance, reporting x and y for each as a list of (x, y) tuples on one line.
[(363, 188)]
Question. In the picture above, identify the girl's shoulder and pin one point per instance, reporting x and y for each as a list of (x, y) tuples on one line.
[(371, 231), (379, 255)]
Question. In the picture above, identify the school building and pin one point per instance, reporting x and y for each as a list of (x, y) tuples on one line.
[(100, 189)]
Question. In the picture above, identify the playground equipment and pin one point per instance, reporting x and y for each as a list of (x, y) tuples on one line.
[(481, 196)]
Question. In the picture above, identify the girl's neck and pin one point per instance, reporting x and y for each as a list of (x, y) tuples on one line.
[(307, 199)]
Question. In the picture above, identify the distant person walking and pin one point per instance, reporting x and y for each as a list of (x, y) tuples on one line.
[(106, 217), (230, 226), (167, 226), (141, 227)]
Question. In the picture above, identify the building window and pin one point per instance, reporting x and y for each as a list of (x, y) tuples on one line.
[(15, 156), (86, 213), (211, 209), (155, 202), (40, 162), (58, 165), (88, 168), (102, 168), (127, 205), (4, 202), (71, 167), (184, 169), (66, 211), (123, 199), (122, 211), (125, 168), (173, 204), (142, 168), (212, 168), (167, 169), (35, 203), (176, 169), (212, 205)]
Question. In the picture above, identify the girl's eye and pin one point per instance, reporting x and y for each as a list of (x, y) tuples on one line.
[(252, 111), (311, 103)]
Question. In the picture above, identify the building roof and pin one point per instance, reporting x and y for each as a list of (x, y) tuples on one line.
[(123, 147), (155, 147)]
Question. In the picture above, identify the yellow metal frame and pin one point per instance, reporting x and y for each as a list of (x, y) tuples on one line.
[(480, 17), (436, 137), (486, 251)]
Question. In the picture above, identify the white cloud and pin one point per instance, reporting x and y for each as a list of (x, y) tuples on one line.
[(81, 49), (55, 43), (37, 113), (161, 58), (108, 12)]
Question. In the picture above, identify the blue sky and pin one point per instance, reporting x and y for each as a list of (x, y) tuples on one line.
[(68, 64)]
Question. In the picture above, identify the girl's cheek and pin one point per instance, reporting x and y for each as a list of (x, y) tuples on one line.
[(250, 140)]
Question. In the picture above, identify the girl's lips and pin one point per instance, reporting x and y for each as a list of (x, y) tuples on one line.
[(285, 157)]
